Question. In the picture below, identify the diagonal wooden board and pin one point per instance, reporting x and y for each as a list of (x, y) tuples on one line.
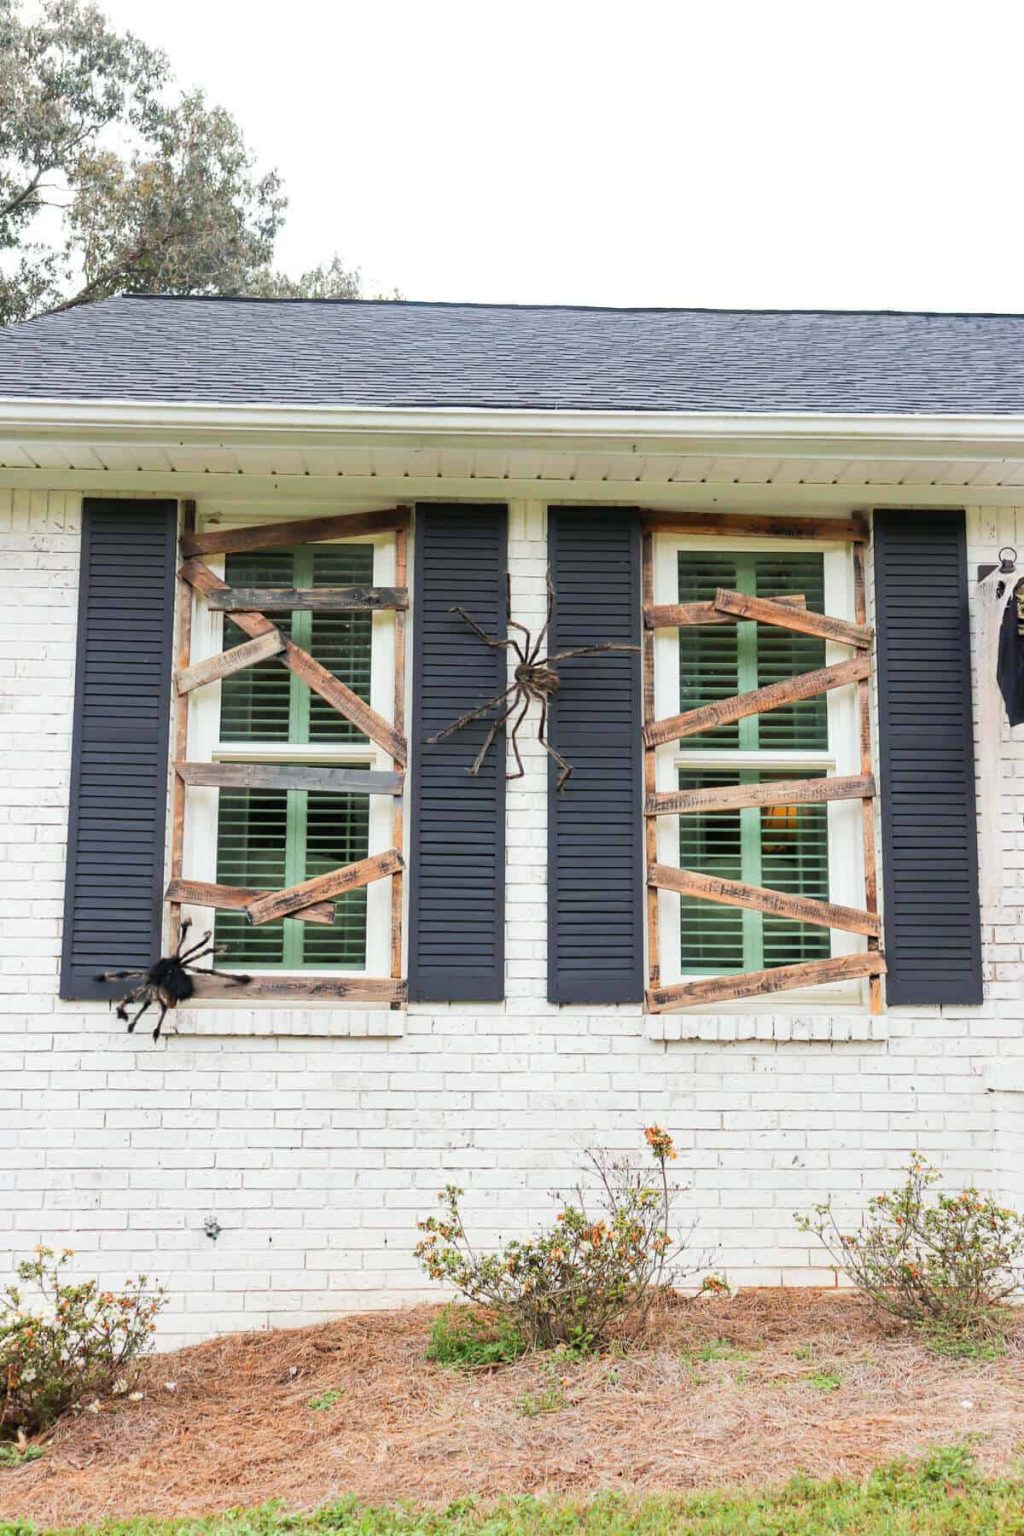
[(734, 893), (235, 898), (329, 687), (267, 909), (214, 668), (776, 696), (738, 797), (784, 978), (741, 605), (346, 525), (682, 615)]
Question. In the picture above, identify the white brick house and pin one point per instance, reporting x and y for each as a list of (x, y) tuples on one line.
[(312, 1129)]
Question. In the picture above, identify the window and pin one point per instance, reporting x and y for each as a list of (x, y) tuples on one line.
[(804, 849), (267, 838)]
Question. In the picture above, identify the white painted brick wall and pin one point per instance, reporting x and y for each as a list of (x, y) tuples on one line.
[(317, 1154)]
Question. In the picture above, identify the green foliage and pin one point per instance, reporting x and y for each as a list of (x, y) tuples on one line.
[(146, 193), (573, 1282), (943, 1263), (942, 1496), (325, 1400), (64, 1342), (17, 1455), (826, 1381), (467, 1340)]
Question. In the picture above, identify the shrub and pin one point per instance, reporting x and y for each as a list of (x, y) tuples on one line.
[(943, 1263), (67, 1342), (607, 1253), (468, 1340)]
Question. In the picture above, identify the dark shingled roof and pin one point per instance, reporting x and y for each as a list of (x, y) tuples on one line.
[(510, 357)]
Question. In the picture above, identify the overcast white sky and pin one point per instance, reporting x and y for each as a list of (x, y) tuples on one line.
[(848, 154)]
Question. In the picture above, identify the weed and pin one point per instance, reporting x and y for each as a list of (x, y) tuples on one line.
[(826, 1381), (329, 1399), (466, 1339), (17, 1455)]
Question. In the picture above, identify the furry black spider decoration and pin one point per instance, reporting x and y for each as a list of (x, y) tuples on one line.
[(167, 983), (534, 677)]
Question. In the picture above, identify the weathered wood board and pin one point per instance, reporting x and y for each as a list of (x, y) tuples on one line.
[(738, 797), (221, 541), (302, 989), (349, 781), (683, 615), (227, 663), (776, 696), (722, 989), (312, 599), (267, 909), (235, 898), (740, 605), (734, 893)]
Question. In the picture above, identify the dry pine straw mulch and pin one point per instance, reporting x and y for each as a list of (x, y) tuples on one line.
[(237, 1429)]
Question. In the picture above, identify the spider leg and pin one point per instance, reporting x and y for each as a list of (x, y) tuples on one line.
[(132, 1022), (566, 768), (535, 652), (491, 640), (186, 924), (588, 650), (470, 716), (183, 959), (496, 726), (160, 1021), (514, 739)]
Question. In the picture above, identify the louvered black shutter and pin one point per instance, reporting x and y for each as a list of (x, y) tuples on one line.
[(595, 830), (113, 897), (929, 834), (457, 864)]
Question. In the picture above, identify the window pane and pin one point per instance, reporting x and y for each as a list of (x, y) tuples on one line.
[(251, 842), (255, 704), (717, 661), (784, 848), (337, 833), (340, 641), (266, 702)]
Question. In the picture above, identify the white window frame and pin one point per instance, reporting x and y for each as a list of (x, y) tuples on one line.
[(845, 831), (204, 746)]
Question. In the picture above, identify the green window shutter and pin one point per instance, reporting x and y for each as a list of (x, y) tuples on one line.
[(272, 838), (717, 661), (782, 847)]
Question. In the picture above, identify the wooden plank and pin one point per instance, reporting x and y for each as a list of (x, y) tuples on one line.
[(344, 700), (179, 726), (398, 809), (350, 525), (329, 687), (757, 525), (348, 781), (875, 1001), (314, 599), (335, 883), (776, 696), (650, 767), (384, 991), (734, 893), (229, 662), (739, 605), (721, 989), (201, 893), (681, 615), (737, 797)]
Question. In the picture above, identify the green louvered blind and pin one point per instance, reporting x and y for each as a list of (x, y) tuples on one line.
[(783, 848), (717, 661), (269, 838)]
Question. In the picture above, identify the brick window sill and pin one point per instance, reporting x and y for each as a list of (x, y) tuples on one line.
[(324, 1021), (780, 1026)]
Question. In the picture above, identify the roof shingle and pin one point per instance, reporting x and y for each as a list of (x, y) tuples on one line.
[(512, 357)]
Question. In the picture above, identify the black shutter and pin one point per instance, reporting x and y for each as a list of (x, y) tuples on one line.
[(457, 864), (113, 898), (929, 832), (595, 829)]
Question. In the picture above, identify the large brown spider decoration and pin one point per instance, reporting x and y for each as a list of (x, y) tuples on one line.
[(534, 677), (167, 983)]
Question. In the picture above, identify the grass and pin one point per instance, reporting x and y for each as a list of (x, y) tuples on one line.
[(329, 1399), (463, 1339), (942, 1496)]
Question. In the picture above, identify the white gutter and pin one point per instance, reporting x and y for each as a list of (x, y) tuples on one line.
[(821, 434)]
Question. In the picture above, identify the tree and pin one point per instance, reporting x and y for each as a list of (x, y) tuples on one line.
[(107, 187)]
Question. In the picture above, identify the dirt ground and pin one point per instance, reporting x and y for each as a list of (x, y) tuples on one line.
[(749, 1389)]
